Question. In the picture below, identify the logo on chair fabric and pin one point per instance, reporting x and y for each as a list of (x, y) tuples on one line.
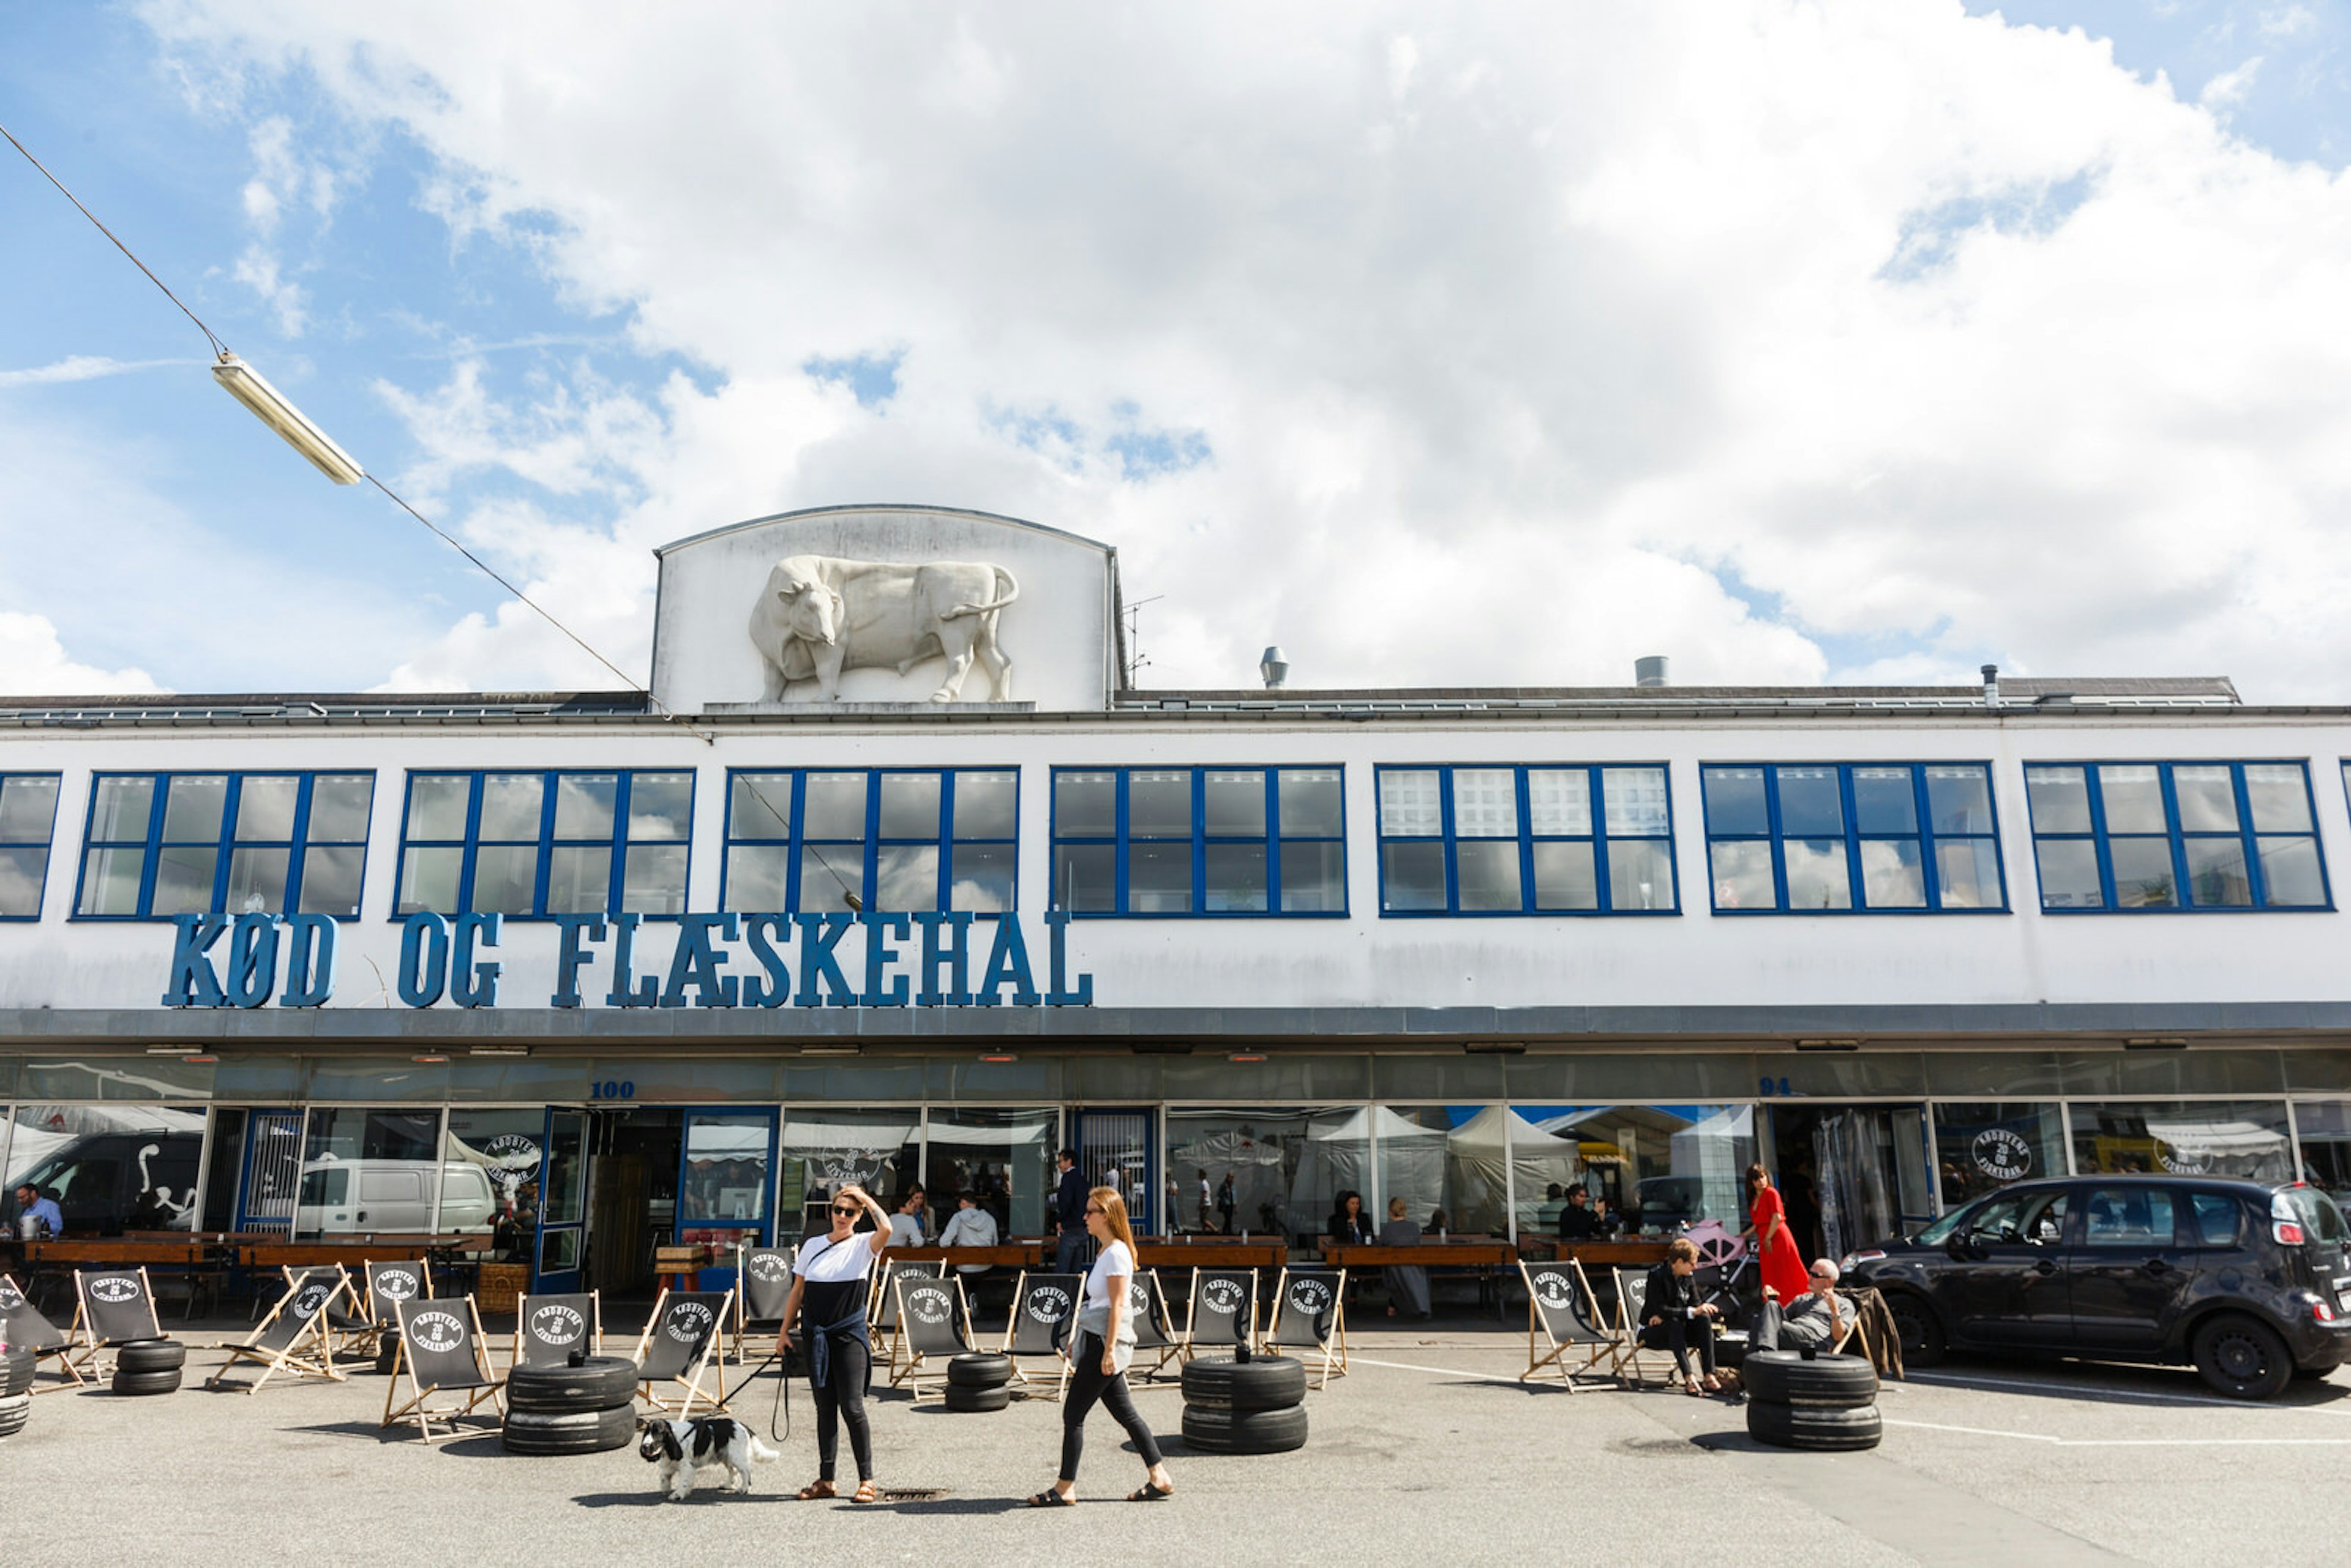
[(689, 1323), (1222, 1295), (311, 1297), (397, 1285), (930, 1305), (435, 1332), (11, 1298), (1048, 1304), (770, 1267), (114, 1289), (1138, 1296), (557, 1324), (1309, 1296), (1555, 1291)]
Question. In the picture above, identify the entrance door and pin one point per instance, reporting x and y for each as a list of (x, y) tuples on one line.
[(273, 1171), (563, 1204), (1852, 1174), (1115, 1149)]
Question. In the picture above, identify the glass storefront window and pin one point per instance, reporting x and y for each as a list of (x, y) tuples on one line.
[(1983, 1147), (1006, 1157), (2324, 1127), (1283, 1180), (108, 1168), (504, 1147), (726, 1181), (376, 1171), (880, 1150), (2243, 1138), (1656, 1166)]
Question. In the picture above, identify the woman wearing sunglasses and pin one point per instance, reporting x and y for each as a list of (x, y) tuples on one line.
[(830, 1283), (1105, 1343)]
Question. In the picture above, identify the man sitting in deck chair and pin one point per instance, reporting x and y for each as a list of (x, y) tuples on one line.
[(294, 1337), (441, 1353), (22, 1327), (1562, 1316), (1309, 1313), (931, 1315), (551, 1330), (1044, 1315), (114, 1306), (680, 1339), (1814, 1321), (1222, 1311)]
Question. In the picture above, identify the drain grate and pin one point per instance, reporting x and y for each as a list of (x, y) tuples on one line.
[(912, 1494)]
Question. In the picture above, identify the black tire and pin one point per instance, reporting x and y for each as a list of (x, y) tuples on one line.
[(1833, 1381), (979, 1370), (151, 1356), (1270, 1383), (1212, 1431), (1815, 1427), (165, 1381), (600, 1384), (17, 1372), (1924, 1343), (13, 1409), (973, 1400), (2241, 1358), (570, 1432)]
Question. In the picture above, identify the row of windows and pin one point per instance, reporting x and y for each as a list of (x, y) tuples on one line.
[(1806, 838)]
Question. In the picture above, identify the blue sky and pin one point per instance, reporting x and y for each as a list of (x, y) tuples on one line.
[(1373, 307)]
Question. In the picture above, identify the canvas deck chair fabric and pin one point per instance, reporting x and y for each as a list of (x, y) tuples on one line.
[(1044, 1315), (1221, 1311), (294, 1338), (22, 1327), (445, 1364), (382, 1287), (1154, 1331), (881, 1311), (932, 1314), (1563, 1322), (1310, 1313), (111, 1306), (681, 1340), (764, 1278), (1632, 1306), (549, 1329)]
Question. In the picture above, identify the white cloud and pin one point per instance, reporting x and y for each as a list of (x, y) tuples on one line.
[(33, 663), (2228, 91), (82, 368), (1490, 343)]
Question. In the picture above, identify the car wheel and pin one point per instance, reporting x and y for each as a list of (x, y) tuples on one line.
[(1923, 1343), (2239, 1358)]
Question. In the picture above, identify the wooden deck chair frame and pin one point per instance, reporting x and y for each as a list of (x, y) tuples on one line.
[(593, 1344), (1155, 1325), (464, 1400), (699, 1363), (1018, 1350), (362, 1333), (882, 1306), (17, 1316), (83, 1339), (1246, 1314), (1559, 1295), (1630, 1370), (951, 1341), (745, 1262), (1333, 1346), (309, 1351)]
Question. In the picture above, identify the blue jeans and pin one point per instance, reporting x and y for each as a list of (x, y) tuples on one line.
[(1069, 1252)]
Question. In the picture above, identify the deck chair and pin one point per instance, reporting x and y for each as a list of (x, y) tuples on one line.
[(294, 1338), (932, 1314), (881, 1311), (1563, 1320), (1221, 1313), (382, 1287), (549, 1329), (22, 1327), (1155, 1330), (111, 1306), (1310, 1313), (1044, 1315), (764, 1276), (681, 1340), (446, 1365), (1632, 1306)]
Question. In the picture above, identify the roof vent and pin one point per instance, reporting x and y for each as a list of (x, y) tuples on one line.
[(1991, 686), (1653, 670), (1274, 668)]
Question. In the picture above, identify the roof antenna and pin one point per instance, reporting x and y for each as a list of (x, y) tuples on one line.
[(1135, 657)]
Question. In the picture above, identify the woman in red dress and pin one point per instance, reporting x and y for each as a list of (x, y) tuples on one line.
[(1776, 1253)]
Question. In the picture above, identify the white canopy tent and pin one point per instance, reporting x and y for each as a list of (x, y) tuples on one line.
[(1475, 1154), (1410, 1164)]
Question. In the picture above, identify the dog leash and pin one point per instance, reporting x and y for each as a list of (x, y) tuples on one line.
[(783, 1392)]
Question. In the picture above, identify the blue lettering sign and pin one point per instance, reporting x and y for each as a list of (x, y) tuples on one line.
[(473, 985), (1008, 964), (777, 988), (696, 963), (424, 959), (626, 992), (570, 929), (820, 934), (193, 982), (880, 956), (309, 962)]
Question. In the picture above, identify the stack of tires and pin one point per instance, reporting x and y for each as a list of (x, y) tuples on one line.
[(16, 1390), (583, 1409), (1828, 1404), (981, 1382), (1245, 1408), (149, 1365)]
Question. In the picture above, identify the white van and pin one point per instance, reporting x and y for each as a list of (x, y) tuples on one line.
[(391, 1196)]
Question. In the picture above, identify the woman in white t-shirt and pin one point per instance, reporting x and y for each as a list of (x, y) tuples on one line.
[(830, 1283), (1104, 1345)]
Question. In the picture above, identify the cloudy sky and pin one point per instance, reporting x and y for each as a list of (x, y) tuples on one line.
[(1819, 342)]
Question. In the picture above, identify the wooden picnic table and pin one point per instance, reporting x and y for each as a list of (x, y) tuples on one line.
[(275, 1252), (1486, 1257), (1003, 1255), (1621, 1252), (71, 1252), (1191, 1253)]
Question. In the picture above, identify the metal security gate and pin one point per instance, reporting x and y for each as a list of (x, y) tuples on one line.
[(1117, 1145), (273, 1171)]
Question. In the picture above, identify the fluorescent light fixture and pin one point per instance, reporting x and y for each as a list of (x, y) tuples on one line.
[(174, 1050), (829, 1049), (499, 1050), (245, 384), (429, 1061)]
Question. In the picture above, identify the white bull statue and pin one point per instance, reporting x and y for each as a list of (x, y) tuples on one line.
[(819, 615)]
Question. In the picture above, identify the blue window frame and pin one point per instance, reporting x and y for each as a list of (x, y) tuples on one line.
[(903, 840), (1852, 838), (1177, 842), (2176, 836), (29, 817), (540, 843), (160, 844), (1547, 839)]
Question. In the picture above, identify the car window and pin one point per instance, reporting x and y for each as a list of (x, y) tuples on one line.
[(91, 1181), (2044, 1222), (2213, 1219), (2000, 1220), (388, 1187), (323, 1187), (2316, 1211), (2128, 1217)]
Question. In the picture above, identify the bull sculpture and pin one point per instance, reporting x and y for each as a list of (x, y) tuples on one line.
[(819, 615)]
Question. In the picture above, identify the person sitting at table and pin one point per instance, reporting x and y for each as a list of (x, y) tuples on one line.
[(1604, 1219), (35, 1205), (1408, 1283), (1576, 1221), (906, 1225), (1435, 1226), (969, 1225), (1809, 1325), (1349, 1226), (1675, 1319)]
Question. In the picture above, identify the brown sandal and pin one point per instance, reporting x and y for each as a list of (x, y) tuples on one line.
[(815, 1490), (867, 1491)]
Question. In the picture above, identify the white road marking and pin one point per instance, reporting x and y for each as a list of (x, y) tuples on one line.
[(2132, 1442), (1413, 1367)]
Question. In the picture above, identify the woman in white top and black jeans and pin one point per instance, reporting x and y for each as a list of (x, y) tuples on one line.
[(1105, 1343), (830, 1284)]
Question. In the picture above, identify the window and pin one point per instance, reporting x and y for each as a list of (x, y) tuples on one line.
[(538, 845), (901, 841), (160, 844), (2175, 836), (28, 814), (1550, 840), (2135, 1217), (2214, 1218), (2245, 1139), (1852, 838), (1199, 841)]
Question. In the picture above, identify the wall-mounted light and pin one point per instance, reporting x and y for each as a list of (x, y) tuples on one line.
[(429, 1061), (498, 1050), (248, 387), (829, 1051), (1494, 1048), (174, 1050), (997, 1057), (2155, 1042), (1246, 1056)]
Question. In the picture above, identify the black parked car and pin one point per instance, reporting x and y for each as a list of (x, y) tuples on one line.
[(2249, 1283)]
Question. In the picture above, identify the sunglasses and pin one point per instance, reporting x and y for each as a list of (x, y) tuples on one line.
[(853, 1211), (1095, 1209)]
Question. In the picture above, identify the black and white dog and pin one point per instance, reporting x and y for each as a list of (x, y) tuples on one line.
[(681, 1446)]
